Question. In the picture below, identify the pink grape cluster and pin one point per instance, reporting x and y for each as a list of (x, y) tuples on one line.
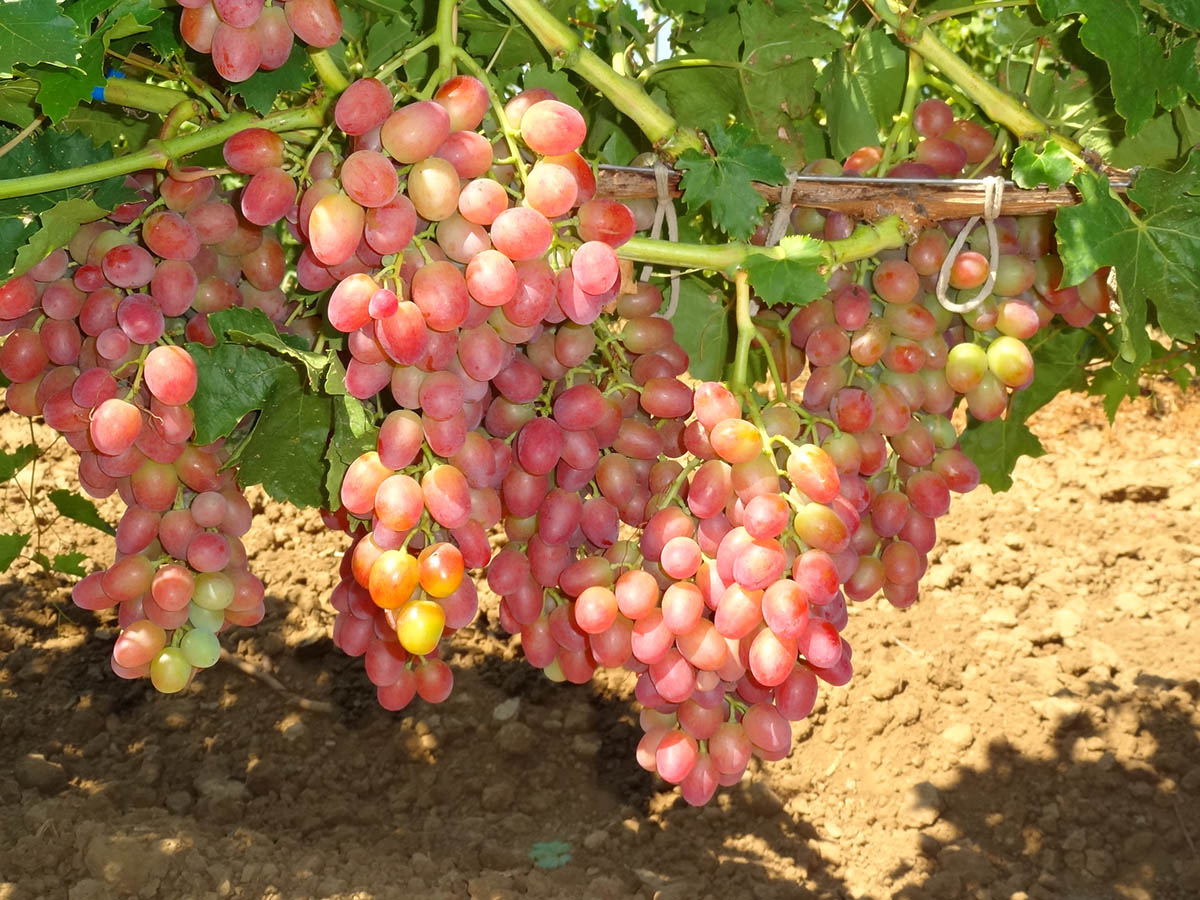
[(440, 283), (244, 36), (90, 347)]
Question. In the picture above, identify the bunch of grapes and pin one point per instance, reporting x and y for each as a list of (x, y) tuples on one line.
[(244, 36), (92, 347), (537, 422)]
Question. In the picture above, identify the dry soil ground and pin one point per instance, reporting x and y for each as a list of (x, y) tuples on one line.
[(1029, 729)]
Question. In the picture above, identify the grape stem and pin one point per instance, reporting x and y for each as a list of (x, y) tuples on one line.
[(996, 104), (627, 95), (22, 134), (129, 92), (401, 59), (867, 240), (686, 62), (901, 134), (446, 31), (745, 332), (510, 133), (331, 76), (159, 154)]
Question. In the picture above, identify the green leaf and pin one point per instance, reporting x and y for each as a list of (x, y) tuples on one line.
[(233, 380), (792, 280), (59, 224), (1183, 12), (996, 446), (79, 509), (701, 323), (353, 435), (104, 123), (11, 546), (12, 463), (847, 111), (262, 89), (286, 450), (49, 150), (1155, 252), (16, 101), (1115, 387), (1059, 359), (35, 31), (724, 182), (781, 41), (550, 854), (385, 39), (1052, 167), (61, 90), (251, 326), (538, 76), (1141, 68), (707, 96), (69, 563)]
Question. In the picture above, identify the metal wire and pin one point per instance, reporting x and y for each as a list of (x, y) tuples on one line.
[(866, 180)]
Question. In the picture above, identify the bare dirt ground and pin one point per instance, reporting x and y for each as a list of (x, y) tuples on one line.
[(1028, 730)]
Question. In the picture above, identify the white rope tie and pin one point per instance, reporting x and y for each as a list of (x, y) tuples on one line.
[(664, 210), (993, 193), (783, 212)]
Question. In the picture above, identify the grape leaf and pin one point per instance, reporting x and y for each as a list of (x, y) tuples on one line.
[(35, 31), (1155, 251), (707, 96), (285, 452), (792, 279), (1059, 357), (79, 509), (493, 32), (996, 446), (61, 90), (1114, 386), (1058, 365), (69, 563), (12, 463), (16, 101), (701, 323), (353, 435), (105, 123), (59, 224), (847, 110), (262, 89), (1051, 167), (779, 78), (767, 79), (1141, 70), (11, 546), (537, 75), (385, 39), (251, 326), (724, 182), (233, 381), (49, 150), (1183, 12)]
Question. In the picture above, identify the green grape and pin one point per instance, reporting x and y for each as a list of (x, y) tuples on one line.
[(170, 671), (201, 648), (206, 619), (214, 590)]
